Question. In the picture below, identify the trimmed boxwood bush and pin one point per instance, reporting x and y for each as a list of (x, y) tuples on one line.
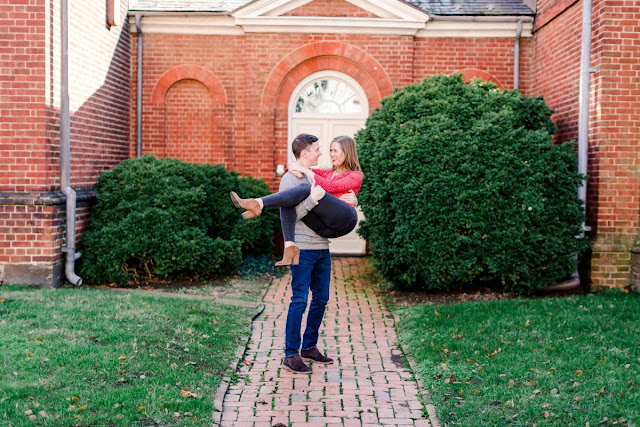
[(463, 185), (166, 218)]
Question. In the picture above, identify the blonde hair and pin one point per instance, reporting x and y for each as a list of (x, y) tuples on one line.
[(348, 146)]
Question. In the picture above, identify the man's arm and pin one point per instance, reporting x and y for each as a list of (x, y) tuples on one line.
[(303, 208)]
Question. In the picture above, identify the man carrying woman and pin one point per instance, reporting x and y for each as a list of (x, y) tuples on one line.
[(307, 244)]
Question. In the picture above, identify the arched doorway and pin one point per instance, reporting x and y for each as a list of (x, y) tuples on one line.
[(328, 104)]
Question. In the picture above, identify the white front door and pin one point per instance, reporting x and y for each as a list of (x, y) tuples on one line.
[(330, 104)]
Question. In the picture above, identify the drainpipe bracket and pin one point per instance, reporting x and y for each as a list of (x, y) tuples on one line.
[(593, 70)]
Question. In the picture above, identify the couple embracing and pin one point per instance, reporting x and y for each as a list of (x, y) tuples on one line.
[(315, 205)]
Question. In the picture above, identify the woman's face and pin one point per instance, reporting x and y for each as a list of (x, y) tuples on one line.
[(337, 155)]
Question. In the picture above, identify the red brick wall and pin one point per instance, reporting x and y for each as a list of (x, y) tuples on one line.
[(330, 8), (99, 99), (491, 55), (557, 69), (613, 208), (32, 209), (22, 95), (615, 155), (257, 73), (189, 123), (30, 233)]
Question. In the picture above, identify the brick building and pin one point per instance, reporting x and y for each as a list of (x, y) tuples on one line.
[(232, 81)]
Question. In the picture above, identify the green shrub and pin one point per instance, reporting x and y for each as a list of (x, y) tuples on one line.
[(166, 218), (462, 184)]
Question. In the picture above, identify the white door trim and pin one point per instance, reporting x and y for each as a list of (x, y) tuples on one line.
[(364, 102)]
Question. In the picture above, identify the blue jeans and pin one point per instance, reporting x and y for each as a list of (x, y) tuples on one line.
[(312, 273)]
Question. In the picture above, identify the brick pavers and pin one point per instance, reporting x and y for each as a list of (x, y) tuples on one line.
[(368, 385)]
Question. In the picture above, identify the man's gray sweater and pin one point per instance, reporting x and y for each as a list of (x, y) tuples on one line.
[(306, 238)]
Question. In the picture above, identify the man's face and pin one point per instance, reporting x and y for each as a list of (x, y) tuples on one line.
[(311, 154)]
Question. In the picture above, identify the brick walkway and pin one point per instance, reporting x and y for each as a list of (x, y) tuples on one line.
[(368, 385)]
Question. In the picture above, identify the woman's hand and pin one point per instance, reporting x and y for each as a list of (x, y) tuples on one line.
[(297, 167), (350, 198)]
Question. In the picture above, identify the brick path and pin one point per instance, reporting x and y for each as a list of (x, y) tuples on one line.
[(368, 385)]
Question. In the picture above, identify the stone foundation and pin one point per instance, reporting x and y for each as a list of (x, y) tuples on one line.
[(635, 267), (49, 275)]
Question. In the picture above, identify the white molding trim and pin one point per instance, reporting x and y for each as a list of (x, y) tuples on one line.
[(229, 26), (464, 29), (184, 24), (299, 24)]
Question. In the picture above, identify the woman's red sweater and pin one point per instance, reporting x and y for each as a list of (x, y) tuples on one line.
[(339, 184)]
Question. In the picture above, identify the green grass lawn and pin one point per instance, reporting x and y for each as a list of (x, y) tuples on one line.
[(92, 357), (524, 362)]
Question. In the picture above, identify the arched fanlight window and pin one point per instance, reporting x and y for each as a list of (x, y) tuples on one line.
[(328, 96)]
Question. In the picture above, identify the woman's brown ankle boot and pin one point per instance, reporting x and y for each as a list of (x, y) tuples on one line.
[(291, 256), (252, 207)]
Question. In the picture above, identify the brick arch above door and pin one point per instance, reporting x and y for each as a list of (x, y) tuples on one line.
[(314, 57), (188, 72)]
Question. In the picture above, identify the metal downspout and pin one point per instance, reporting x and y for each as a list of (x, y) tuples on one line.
[(516, 57), (139, 88), (583, 102), (65, 153)]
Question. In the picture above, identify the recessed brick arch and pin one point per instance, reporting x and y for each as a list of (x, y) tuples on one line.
[(320, 56), (468, 74), (191, 72)]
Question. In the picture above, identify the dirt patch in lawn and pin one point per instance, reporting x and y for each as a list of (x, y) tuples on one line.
[(404, 298)]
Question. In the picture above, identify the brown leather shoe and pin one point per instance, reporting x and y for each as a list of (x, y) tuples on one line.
[(314, 354), (295, 364), (251, 206), (291, 256)]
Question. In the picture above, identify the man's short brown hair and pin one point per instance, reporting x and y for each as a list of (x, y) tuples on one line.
[(301, 143)]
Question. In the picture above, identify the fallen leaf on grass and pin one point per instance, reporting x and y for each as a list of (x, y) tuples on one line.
[(545, 414), (450, 379), (494, 352), (185, 393), (43, 414)]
